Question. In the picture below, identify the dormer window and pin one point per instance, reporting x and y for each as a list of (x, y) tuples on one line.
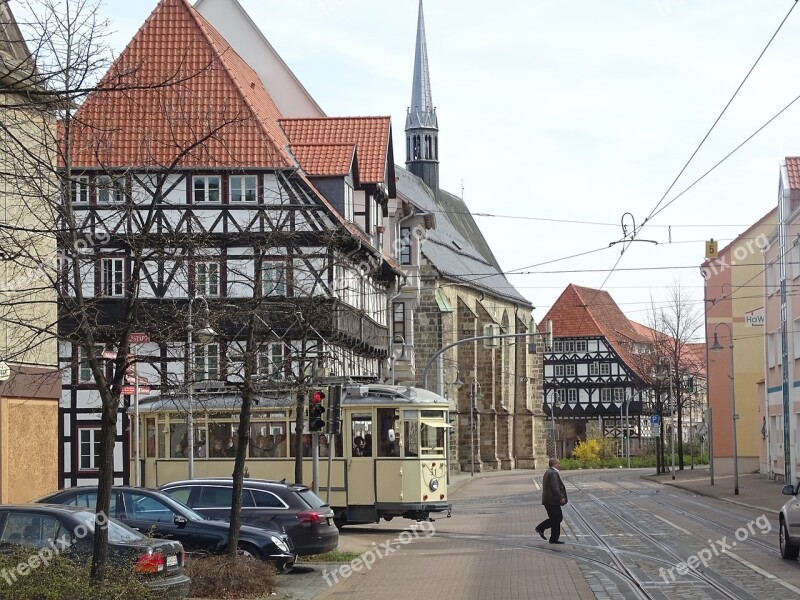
[(349, 203)]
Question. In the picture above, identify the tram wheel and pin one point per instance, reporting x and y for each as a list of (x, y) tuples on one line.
[(340, 522)]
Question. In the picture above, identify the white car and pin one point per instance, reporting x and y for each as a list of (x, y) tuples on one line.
[(790, 523)]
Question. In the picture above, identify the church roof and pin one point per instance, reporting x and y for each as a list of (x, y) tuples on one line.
[(421, 113), (371, 135), (451, 249), (179, 90)]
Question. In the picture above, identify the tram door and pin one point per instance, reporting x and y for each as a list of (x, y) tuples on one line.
[(361, 467)]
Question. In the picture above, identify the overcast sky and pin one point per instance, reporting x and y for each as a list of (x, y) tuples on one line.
[(555, 111)]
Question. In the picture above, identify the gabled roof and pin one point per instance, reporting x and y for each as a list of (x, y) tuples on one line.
[(448, 249), (182, 91), (586, 312), (325, 159), (371, 135), (233, 22)]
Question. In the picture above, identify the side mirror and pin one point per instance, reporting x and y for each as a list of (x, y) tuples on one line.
[(788, 490), (180, 521)]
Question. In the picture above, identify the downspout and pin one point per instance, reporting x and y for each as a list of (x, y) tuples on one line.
[(400, 286)]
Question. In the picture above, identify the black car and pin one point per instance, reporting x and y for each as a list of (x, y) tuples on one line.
[(295, 508), (69, 530), (156, 514)]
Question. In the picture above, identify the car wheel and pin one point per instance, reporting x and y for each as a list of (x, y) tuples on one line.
[(249, 551), (788, 550), (340, 522)]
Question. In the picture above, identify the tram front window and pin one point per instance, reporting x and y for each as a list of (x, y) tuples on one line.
[(432, 438)]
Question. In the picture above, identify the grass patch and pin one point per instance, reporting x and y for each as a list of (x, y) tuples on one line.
[(223, 577), (62, 578), (334, 556)]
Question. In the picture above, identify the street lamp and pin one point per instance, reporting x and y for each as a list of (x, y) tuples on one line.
[(205, 336), (717, 347), (403, 356), (624, 433), (474, 392)]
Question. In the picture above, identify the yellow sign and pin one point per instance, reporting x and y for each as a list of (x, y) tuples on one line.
[(711, 248)]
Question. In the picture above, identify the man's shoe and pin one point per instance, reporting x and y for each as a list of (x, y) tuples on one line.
[(541, 533), (557, 542)]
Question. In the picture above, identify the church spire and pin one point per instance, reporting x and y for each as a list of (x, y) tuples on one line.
[(422, 126)]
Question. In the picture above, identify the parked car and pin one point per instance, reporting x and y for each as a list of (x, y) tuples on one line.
[(70, 530), (157, 514), (298, 510), (789, 518)]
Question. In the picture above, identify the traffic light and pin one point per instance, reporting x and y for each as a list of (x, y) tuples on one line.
[(335, 411), (316, 409)]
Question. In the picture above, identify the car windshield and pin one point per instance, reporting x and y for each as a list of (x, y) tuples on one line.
[(117, 532), (311, 498)]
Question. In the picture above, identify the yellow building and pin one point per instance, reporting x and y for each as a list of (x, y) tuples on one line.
[(29, 380)]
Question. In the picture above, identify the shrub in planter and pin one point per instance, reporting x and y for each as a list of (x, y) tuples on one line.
[(223, 577), (62, 578)]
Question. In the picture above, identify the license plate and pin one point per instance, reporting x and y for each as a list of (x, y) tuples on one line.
[(172, 561)]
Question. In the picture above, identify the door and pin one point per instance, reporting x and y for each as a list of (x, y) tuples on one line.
[(361, 465)]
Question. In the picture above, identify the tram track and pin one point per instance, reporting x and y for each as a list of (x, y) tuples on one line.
[(659, 495), (725, 590)]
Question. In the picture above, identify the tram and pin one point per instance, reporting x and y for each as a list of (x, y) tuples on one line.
[(389, 461)]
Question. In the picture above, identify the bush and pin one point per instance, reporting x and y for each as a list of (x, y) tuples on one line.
[(587, 451), (61, 578), (223, 577), (334, 556)]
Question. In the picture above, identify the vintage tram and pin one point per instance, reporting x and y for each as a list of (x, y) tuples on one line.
[(390, 459)]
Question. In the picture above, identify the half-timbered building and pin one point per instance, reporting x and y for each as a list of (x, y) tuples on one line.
[(199, 204), (597, 370)]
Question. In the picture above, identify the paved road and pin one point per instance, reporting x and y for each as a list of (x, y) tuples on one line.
[(626, 539)]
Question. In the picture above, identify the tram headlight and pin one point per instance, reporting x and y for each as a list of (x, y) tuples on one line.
[(433, 484)]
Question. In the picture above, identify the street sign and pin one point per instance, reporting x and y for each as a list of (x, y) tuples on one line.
[(129, 390), (655, 419), (5, 371), (138, 338), (109, 354)]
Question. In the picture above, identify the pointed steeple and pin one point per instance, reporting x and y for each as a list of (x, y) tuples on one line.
[(422, 126)]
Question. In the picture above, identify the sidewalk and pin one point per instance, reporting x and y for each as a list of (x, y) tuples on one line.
[(755, 491)]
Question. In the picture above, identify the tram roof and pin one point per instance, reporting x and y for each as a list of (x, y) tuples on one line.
[(232, 400)]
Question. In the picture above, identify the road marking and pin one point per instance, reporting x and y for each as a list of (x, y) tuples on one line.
[(536, 483), (764, 573), (673, 525)]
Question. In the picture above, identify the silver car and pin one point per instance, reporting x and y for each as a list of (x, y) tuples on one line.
[(790, 523)]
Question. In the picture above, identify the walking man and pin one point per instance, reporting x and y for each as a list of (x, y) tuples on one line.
[(554, 496)]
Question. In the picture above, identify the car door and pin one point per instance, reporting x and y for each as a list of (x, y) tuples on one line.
[(214, 501), (269, 511), (152, 516)]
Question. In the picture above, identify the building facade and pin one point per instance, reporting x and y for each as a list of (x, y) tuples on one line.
[(734, 307)]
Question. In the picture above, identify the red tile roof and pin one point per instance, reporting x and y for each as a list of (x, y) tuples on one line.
[(793, 170), (324, 159), (587, 312), (210, 111), (371, 135)]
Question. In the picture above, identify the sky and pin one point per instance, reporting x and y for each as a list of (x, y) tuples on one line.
[(557, 118)]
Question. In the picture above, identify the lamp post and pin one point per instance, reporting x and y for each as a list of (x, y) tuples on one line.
[(204, 336), (473, 393), (557, 403), (717, 347)]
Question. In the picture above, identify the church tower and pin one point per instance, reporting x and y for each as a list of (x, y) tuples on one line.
[(422, 126)]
